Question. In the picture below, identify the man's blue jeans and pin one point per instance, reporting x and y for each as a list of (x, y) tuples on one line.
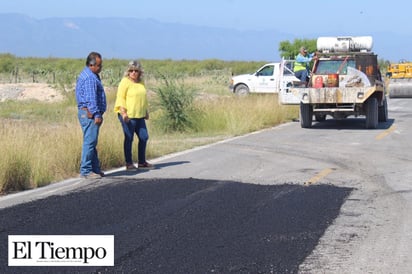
[(138, 127), (89, 161)]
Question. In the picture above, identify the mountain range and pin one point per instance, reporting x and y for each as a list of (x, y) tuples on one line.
[(128, 38)]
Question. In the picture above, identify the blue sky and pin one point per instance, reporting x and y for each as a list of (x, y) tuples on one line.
[(292, 16), (303, 18)]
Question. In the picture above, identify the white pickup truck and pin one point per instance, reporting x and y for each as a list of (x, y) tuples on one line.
[(266, 79)]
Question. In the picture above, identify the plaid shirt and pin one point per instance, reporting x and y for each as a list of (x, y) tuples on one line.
[(90, 93)]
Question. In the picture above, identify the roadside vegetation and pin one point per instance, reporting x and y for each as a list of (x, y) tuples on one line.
[(190, 105)]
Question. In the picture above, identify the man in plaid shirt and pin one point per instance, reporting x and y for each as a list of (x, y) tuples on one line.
[(91, 104)]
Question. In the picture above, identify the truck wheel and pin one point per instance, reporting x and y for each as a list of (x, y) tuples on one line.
[(383, 111), (320, 117), (372, 113), (242, 89), (305, 115)]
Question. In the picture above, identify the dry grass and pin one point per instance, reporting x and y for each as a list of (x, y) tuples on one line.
[(40, 148)]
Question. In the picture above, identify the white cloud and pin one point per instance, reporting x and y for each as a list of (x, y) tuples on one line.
[(71, 25)]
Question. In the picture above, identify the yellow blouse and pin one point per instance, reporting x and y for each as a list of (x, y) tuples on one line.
[(133, 97)]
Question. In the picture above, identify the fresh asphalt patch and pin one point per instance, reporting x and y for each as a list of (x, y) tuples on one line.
[(183, 225)]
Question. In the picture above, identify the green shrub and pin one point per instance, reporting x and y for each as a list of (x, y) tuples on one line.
[(176, 102)]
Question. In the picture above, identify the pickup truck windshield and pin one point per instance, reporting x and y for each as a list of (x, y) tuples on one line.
[(266, 71)]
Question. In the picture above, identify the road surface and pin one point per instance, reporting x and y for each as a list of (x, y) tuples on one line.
[(335, 198)]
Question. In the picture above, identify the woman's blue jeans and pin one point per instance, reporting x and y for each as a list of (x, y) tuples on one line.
[(89, 159), (138, 127)]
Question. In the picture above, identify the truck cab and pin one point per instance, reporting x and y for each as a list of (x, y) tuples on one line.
[(269, 78)]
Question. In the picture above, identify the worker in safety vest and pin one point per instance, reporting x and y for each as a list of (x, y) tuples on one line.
[(301, 67)]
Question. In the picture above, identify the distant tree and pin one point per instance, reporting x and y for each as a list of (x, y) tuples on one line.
[(289, 50), (383, 65)]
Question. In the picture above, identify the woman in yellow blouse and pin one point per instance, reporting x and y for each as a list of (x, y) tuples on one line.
[(132, 109)]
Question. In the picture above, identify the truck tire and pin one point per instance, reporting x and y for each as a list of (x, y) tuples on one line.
[(383, 111), (241, 89), (305, 115), (371, 113), (320, 117)]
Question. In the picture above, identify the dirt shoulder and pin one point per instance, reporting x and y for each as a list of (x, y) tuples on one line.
[(29, 91)]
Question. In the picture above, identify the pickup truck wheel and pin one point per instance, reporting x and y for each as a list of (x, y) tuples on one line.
[(383, 111), (242, 89), (305, 115), (372, 113)]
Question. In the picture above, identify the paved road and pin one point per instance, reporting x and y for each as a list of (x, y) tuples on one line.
[(332, 199)]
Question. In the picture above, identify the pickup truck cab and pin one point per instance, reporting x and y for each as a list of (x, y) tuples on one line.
[(267, 79)]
